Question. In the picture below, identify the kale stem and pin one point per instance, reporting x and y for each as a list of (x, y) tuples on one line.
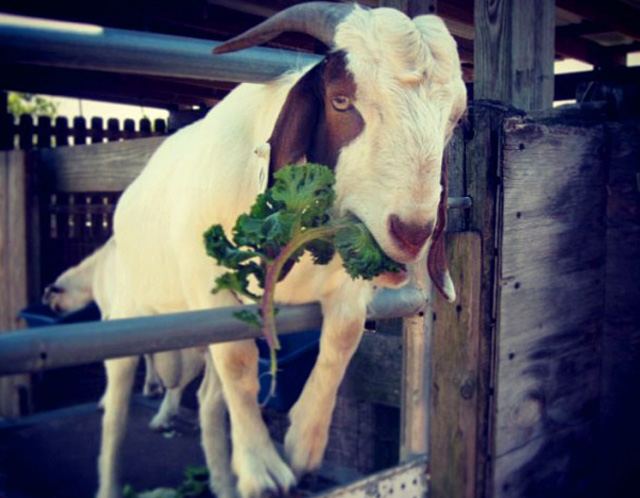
[(274, 270)]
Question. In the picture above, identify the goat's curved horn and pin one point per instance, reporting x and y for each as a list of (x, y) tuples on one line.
[(318, 19)]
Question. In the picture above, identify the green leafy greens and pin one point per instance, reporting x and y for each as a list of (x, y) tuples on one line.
[(289, 218)]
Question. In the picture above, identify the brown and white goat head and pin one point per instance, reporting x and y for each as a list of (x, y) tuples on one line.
[(379, 109)]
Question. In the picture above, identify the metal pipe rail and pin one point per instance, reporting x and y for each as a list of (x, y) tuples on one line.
[(70, 45), (38, 349)]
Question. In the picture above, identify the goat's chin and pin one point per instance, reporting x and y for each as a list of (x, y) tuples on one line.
[(405, 257), (391, 280)]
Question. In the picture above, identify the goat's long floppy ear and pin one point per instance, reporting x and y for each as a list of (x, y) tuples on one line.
[(295, 127), (437, 258)]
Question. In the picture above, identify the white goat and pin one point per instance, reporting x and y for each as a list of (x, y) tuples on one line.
[(379, 110), (92, 280)]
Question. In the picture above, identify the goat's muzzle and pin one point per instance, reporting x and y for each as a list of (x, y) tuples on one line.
[(409, 237)]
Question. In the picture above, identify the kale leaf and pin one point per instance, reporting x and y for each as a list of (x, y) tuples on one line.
[(291, 217)]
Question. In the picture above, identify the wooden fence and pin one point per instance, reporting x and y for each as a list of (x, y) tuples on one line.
[(27, 132)]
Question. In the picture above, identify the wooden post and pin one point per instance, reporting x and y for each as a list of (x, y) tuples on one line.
[(514, 52), (455, 374), (14, 390), (513, 64)]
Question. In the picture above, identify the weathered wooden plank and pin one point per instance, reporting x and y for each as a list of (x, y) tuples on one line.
[(17, 236), (375, 372), (522, 75), (620, 403), (455, 374), (576, 479), (12, 238), (13, 272), (550, 308), (101, 167), (5, 312), (457, 219), (482, 161)]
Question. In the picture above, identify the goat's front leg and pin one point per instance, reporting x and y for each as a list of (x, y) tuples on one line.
[(310, 417), (256, 462), (213, 425), (120, 376)]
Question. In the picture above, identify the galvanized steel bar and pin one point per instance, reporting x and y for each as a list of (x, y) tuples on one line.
[(82, 46), (464, 202), (56, 346)]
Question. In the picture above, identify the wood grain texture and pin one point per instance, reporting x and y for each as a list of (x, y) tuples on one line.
[(521, 75), (550, 309), (482, 159), (455, 374), (13, 268), (457, 218), (620, 403), (103, 167), (5, 243), (375, 372)]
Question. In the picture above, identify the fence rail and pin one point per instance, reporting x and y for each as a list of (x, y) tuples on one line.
[(64, 345)]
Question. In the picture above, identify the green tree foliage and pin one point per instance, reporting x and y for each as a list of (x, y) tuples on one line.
[(29, 103)]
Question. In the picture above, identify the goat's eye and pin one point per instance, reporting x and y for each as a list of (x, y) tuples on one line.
[(341, 103)]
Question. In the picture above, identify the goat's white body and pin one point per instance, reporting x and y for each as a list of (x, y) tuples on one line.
[(93, 280), (207, 173)]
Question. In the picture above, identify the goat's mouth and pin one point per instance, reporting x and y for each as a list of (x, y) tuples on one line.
[(384, 247)]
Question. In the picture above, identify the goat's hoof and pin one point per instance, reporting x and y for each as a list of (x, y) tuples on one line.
[(160, 423), (264, 477), (305, 449)]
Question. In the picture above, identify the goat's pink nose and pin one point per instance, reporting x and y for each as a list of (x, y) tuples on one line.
[(409, 236)]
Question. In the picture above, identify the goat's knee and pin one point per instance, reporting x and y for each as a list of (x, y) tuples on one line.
[(310, 417)]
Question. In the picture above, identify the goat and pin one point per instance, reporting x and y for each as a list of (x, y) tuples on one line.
[(90, 280), (379, 110)]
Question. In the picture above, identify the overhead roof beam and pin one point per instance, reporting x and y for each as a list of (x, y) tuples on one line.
[(615, 14)]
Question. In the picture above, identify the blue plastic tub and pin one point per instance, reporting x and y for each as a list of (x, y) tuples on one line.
[(39, 315), (296, 357)]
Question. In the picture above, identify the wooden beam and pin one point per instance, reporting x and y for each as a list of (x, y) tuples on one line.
[(114, 165), (615, 14), (13, 269), (521, 75), (455, 374), (482, 166), (590, 52), (112, 87)]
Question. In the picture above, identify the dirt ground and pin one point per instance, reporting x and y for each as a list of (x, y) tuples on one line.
[(54, 454)]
